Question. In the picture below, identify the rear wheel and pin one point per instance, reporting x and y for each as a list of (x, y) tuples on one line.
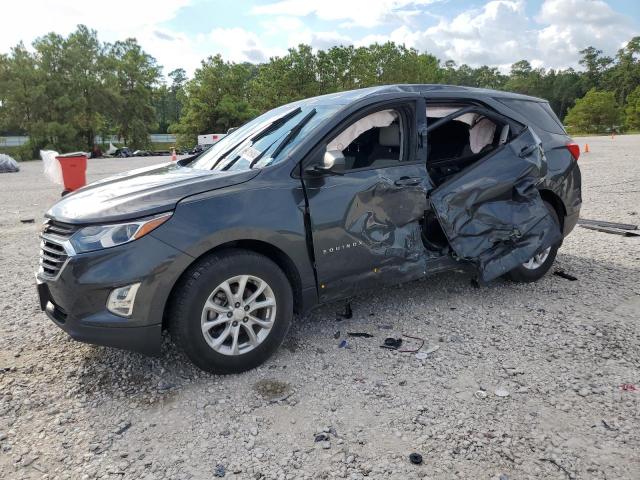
[(538, 265), (231, 311)]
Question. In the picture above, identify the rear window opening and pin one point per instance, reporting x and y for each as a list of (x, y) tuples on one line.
[(460, 142)]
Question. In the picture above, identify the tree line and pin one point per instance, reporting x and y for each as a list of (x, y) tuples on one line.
[(66, 90)]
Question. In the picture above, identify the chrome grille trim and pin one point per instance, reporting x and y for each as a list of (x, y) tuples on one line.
[(55, 249)]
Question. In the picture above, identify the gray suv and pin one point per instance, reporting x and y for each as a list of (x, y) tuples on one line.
[(309, 203)]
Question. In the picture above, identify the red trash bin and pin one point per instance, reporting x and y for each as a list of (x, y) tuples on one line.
[(74, 170)]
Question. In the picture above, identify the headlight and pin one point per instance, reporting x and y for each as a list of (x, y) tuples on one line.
[(97, 237)]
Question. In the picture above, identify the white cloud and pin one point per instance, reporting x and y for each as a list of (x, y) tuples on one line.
[(362, 13), (239, 45), (497, 33), (572, 25), (500, 33), (115, 20)]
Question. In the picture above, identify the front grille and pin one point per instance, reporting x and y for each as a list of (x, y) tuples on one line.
[(63, 230), (53, 254)]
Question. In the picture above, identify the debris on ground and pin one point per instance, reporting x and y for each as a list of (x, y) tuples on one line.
[(501, 392), (613, 231), (8, 164), (422, 355), (565, 275), (336, 335), (220, 471), (347, 314), (123, 428), (344, 344), (628, 387), (27, 220), (391, 343), (602, 223), (560, 467), (412, 350), (415, 458), (360, 334), (480, 394)]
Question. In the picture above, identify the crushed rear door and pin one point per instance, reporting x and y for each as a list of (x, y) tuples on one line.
[(492, 212)]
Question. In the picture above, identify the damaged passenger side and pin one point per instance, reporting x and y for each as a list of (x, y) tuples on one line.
[(486, 205)]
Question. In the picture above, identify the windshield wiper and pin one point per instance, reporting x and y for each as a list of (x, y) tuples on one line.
[(277, 123), (290, 135)]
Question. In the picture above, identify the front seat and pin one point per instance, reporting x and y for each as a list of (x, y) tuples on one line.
[(387, 151)]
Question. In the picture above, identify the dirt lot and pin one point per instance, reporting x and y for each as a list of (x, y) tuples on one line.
[(561, 350)]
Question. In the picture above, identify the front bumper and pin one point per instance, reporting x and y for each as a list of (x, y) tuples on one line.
[(76, 300)]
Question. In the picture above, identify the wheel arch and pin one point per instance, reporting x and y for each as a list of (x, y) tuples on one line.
[(275, 254), (557, 203)]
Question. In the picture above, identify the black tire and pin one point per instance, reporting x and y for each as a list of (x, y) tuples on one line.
[(197, 284), (522, 274)]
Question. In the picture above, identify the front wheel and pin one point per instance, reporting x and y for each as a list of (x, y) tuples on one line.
[(538, 265), (232, 310)]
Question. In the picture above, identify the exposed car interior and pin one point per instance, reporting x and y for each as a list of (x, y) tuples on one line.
[(454, 143), (374, 141), (452, 146), (461, 141)]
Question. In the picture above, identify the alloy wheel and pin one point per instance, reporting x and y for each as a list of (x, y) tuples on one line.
[(238, 315), (537, 260)]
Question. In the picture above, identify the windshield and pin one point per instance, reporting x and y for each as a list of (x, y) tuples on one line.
[(265, 140)]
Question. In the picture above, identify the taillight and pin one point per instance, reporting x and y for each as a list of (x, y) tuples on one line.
[(574, 149)]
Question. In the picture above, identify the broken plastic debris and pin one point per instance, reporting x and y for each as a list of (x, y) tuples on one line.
[(359, 334), (391, 343), (220, 471), (27, 220), (602, 223), (480, 394), (321, 437), (563, 274), (344, 344), (415, 458), (422, 355), (501, 392), (614, 231), (336, 335), (628, 387), (348, 313)]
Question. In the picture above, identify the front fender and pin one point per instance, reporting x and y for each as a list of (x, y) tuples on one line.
[(272, 213)]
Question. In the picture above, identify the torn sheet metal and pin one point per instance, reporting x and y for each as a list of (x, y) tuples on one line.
[(492, 212), (366, 228)]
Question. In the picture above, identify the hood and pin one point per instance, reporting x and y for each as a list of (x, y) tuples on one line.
[(141, 192)]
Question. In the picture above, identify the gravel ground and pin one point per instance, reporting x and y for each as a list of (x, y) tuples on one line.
[(560, 349)]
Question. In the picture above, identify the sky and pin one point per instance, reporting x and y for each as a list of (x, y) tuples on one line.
[(181, 33)]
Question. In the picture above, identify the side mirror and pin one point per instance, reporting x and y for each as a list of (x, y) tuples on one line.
[(333, 163)]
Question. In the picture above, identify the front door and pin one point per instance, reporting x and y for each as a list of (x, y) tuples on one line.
[(365, 222)]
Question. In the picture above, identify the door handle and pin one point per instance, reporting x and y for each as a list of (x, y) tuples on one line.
[(528, 150), (408, 181)]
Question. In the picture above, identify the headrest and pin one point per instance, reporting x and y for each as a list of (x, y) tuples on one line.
[(389, 136)]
